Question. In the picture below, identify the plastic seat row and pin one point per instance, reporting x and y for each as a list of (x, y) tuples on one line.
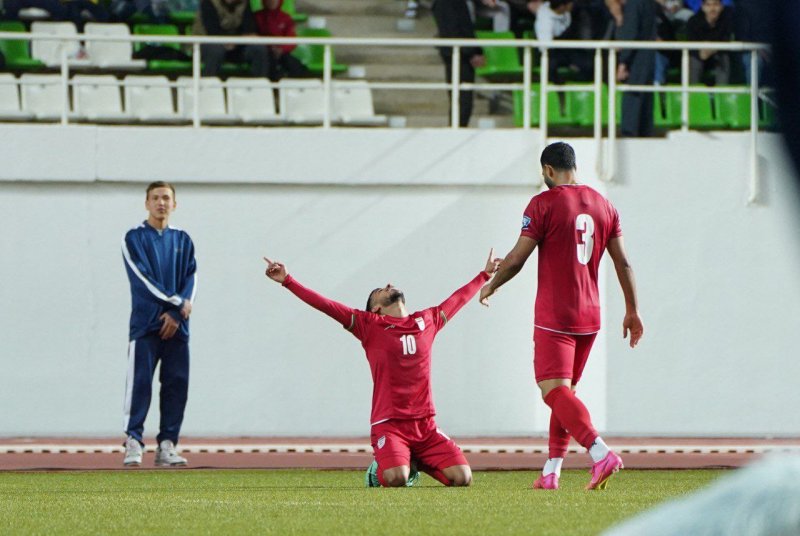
[(149, 99), (706, 110)]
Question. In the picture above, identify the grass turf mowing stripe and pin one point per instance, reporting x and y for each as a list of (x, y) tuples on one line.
[(323, 502)]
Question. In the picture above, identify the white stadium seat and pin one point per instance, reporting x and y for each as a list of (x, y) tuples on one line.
[(111, 54), (252, 100), (352, 104), (49, 52), (9, 99), (211, 100), (97, 98), (43, 95), (302, 101), (149, 99)]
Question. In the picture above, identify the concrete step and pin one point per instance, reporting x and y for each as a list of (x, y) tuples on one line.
[(388, 8)]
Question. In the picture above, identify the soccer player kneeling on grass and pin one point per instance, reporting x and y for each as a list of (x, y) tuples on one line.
[(398, 347), (573, 225)]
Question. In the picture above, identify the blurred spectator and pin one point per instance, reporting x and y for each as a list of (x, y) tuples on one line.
[(713, 23), (232, 18), (672, 19), (637, 66), (696, 5), (78, 12), (156, 10), (272, 21), (497, 10), (453, 21), (554, 21), (523, 14), (751, 26)]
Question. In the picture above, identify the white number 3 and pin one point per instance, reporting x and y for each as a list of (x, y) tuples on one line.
[(585, 224), (409, 344)]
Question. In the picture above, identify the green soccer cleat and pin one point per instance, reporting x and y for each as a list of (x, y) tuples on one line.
[(371, 476), (413, 477)]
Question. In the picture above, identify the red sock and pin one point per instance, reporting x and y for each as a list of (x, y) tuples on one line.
[(558, 440), (435, 473), (572, 414)]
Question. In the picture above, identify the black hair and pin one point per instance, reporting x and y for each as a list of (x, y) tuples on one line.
[(560, 155), (368, 308), (159, 184), (555, 4)]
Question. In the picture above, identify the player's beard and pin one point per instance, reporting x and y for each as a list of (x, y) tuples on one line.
[(549, 182), (394, 296)]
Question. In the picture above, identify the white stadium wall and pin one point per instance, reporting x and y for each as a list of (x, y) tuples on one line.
[(350, 209)]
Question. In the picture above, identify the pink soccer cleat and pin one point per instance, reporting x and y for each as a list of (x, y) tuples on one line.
[(546, 482), (603, 470)]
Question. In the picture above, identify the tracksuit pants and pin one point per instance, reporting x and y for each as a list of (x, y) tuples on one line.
[(143, 356)]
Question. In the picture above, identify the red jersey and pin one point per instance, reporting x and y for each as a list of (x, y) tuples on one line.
[(572, 225), (398, 349)]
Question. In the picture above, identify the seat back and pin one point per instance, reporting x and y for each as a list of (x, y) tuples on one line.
[(108, 52), (250, 98), (352, 99), (156, 29), (94, 95), (499, 60), (211, 98), (148, 96), (41, 94), (301, 98), (48, 51)]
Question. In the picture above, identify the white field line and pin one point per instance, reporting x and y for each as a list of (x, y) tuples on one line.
[(360, 448)]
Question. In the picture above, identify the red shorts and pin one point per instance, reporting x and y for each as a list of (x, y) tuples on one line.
[(559, 355), (396, 441)]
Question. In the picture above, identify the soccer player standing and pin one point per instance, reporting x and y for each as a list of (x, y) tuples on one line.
[(573, 225), (398, 347), (161, 268)]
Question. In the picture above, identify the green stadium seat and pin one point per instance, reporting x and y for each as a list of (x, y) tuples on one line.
[(664, 113), (182, 18), (767, 117), (734, 109), (581, 106), (559, 112), (17, 52), (703, 110), (289, 8), (501, 62), (162, 65), (313, 56)]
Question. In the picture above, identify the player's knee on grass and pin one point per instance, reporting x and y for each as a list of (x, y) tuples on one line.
[(459, 475), (396, 477)]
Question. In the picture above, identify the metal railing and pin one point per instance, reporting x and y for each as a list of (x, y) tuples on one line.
[(606, 148)]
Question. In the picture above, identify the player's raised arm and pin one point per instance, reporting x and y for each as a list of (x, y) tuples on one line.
[(631, 322), (456, 301), (509, 267), (341, 313)]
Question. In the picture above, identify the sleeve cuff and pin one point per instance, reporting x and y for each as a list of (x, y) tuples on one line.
[(289, 280), (485, 275)]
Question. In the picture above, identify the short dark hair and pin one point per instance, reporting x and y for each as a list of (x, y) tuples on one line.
[(560, 155), (369, 299), (555, 4), (159, 184)]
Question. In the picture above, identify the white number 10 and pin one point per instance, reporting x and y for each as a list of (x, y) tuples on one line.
[(409, 344), (585, 224)]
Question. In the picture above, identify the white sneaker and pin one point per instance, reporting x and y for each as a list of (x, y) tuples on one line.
[(166, 455), (133, 453)]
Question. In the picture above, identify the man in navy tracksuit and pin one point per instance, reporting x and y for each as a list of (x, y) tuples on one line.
[(161, 268)]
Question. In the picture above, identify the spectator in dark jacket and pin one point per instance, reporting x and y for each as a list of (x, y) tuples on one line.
[(637, 66), (272, 21), (453, 20), (713, 23), (232, 18)]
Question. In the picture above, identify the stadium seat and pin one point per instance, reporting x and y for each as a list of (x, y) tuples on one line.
[(501, 62), (734, 108), (290, 9), (313, 56), (17, 51), (9, 99), (767, 116), (703, 111), (43, 96), (49, 52), (149, 99), (558, 108), (182, 18), (252, 100), (352, 104), (664, 113), (111, 54), (211, 100), (580, 105), (301, 101), (162, 65), (97, 98)]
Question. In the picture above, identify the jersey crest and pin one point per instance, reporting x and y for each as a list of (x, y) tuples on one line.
[(421, 323), (526, 222)]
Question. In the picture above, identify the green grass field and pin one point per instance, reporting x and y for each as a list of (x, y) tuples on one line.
[(322, 502)]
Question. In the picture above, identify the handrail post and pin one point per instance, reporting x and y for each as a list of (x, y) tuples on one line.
[(754, 101), (455, 87), (598, 109), (611, 145), (527, 61), (64, 84), (684, 90), (326, 86), (545, 78), (196, 84)]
